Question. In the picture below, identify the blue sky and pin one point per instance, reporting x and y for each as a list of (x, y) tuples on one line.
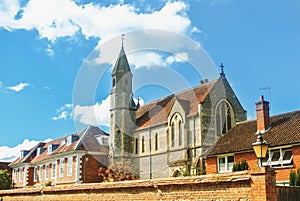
[(47, 47)]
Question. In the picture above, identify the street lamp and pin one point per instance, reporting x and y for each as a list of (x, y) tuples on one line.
[(260, 148)]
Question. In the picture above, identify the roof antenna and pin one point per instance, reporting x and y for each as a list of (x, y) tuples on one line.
[(268, 89), (122, 38)]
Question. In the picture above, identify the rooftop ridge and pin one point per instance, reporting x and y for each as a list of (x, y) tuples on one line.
[(179, 93)]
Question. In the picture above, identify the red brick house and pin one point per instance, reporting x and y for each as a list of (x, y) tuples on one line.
[(281, 131), (72, 159)]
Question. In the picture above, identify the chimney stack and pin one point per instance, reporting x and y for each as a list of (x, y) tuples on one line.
[(262, 115)]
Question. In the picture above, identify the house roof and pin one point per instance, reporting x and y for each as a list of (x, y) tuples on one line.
[(284, 130), (157, 112), (84, 140)]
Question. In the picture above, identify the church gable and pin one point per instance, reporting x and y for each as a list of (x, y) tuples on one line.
[(220, 111), (158, 112)]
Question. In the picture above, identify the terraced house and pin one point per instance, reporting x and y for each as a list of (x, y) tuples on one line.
[(281, 131), (68, 160)]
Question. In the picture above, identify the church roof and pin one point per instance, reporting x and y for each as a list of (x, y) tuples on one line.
[(121, 66), (157, 112), (284, 130)]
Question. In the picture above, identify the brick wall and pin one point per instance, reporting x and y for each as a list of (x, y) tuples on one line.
[(282, 174), (257, 184), (211, 165)]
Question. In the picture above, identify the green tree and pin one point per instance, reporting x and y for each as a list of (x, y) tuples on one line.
[(5, 180), (292, 181)]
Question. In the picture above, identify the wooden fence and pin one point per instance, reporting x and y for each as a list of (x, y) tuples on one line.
[(288, 193)]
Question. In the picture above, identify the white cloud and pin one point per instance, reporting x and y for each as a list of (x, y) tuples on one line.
[(18, 87), (63, 112), (49, 51), (150, 59), (9, 154), (179, 57), (60, 18), (97, 114), (146, 59)]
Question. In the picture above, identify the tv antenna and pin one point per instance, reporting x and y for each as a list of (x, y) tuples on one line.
[(268, 89)]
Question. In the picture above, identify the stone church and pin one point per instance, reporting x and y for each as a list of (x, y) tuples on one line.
[(169, 136)]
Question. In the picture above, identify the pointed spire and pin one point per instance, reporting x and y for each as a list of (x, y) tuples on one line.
[(123, 38), (121, 66), (138, 103), (222, 70)]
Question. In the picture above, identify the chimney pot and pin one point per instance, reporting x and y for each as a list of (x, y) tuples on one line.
[(261, 98)]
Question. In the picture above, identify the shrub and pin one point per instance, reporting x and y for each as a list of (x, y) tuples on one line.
[(48, 183), (240, 166), (5, 180), (295, 178)]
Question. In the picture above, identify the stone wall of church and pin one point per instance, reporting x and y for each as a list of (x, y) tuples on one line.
[(221, 91)]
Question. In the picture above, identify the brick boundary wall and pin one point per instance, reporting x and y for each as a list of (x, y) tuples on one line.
[(258, 185)]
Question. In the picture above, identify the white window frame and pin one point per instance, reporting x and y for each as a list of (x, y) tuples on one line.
[(35, 173), (40, 172), (228, 166), (53, 172), (69, 166), (61, 167), (46, 171), (17, 175), (50, 149), (69, 140), (20, 175), (280, 163)]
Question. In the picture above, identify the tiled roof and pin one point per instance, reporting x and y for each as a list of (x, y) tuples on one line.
[(85, 140), (284, 130), (157, 112)]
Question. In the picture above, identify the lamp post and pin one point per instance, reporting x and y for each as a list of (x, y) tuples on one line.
[(260, 148)]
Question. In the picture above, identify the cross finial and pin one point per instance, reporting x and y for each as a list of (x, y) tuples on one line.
[(123, 38), (222, 70)]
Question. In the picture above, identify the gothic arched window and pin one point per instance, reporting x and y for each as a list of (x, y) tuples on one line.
[(176, 130), (143, 144), (156, 141), (224, 117), (173, 134), (179, 132), (136, 145)]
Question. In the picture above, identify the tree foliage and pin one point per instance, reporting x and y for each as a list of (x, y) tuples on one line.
[(295, 178), (5, 180)]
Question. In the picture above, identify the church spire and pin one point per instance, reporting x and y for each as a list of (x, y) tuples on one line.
[(121, 66)]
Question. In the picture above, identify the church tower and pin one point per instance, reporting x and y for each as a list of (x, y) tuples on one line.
[(122, 111)]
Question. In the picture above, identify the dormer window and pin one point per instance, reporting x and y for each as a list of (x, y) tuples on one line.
[(40, 150), (71, 139), (50, 149), (24, 153), (63, 142), (102, 139)]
